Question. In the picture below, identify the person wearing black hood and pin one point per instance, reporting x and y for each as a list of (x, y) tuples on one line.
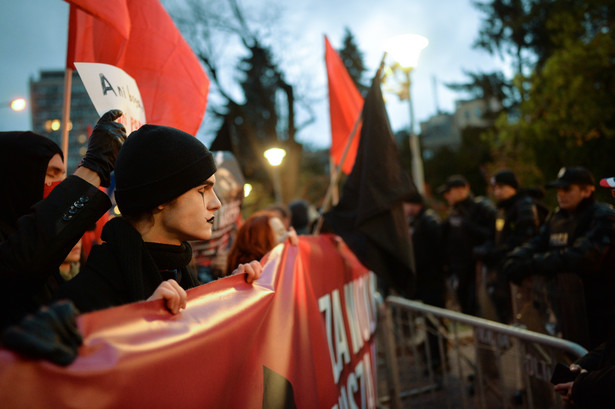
[(43, 216), (517, 220), (574, 251), (164, 190)]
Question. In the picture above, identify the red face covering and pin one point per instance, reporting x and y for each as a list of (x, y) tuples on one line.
[(48, 187)]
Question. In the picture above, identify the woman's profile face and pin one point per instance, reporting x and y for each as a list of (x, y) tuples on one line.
[(278, 229)]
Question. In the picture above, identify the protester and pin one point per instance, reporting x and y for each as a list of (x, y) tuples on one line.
[(36, 235), (576, 245), (593, 385), (72, 263), (516, 222), (164, 190), (282, 212), (303, 216), (468, 225), (260, 233)]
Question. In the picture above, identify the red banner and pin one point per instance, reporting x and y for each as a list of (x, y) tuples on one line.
[(301, 336)]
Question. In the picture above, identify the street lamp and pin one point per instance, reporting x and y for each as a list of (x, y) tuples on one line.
[(275, 156), (18, 104), (405, 50), (247, 189)]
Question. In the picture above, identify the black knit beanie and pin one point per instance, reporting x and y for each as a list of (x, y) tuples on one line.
[(157, 164)]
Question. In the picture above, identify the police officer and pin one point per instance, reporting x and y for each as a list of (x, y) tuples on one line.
[(576, 242), (595, 371), (516, 221), (468, 225)]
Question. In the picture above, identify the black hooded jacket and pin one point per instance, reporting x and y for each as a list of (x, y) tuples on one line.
[(36, 235)]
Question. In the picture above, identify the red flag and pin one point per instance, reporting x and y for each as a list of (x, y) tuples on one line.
[(139, 37), (345, 105), (112, 12)]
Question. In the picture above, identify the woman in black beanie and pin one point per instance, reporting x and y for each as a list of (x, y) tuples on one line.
[(164, 190)]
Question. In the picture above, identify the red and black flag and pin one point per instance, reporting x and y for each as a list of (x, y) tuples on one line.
[(369, 216)]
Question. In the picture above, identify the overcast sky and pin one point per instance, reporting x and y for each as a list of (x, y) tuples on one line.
[(35, 31)]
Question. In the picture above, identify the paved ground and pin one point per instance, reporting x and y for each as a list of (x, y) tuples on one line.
[(453, 389)]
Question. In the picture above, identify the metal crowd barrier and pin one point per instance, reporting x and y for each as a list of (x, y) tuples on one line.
[(438, 358)]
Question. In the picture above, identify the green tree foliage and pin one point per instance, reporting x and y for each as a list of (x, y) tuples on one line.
[(558, 108), (353, 61), (568, 118)]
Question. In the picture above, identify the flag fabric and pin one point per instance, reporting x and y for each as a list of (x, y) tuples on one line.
[(112, 12), (369, 216), (140, 37), (345, 103), (293, 339)]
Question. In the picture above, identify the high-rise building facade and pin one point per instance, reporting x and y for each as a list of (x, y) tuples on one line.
[(46, 104)]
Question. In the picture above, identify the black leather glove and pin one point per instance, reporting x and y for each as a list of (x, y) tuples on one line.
[(104, 145), (49, 334), (515, 270)]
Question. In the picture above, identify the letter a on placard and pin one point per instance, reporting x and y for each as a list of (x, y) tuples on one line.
[(106, 85)]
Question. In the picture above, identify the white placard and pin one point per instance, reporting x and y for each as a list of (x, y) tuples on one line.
[(109, 87)]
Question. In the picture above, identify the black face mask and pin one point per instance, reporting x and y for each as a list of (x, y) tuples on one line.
[(25, 156)]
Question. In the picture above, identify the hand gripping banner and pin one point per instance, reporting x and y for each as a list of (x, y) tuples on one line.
[(300, 337)]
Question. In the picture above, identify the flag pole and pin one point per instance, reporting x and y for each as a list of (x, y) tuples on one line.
[(68, 83), (338, 170), (68, 79), (335, 196)]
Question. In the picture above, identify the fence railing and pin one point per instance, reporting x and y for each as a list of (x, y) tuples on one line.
[(438, 358)]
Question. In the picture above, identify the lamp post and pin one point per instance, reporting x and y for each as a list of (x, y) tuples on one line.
[(405, 50), (275, 156)]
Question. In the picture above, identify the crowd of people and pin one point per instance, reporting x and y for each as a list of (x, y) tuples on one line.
[(499, 261), (51, 271), (480, 253)]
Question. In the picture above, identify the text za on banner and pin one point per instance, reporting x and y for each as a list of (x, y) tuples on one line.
[(301, 336)]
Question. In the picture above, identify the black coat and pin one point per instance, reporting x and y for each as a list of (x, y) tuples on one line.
[(594, 389), (32, 250), (516, 222), (468, 225), (124, 269), (582, 243), (427, 245)]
